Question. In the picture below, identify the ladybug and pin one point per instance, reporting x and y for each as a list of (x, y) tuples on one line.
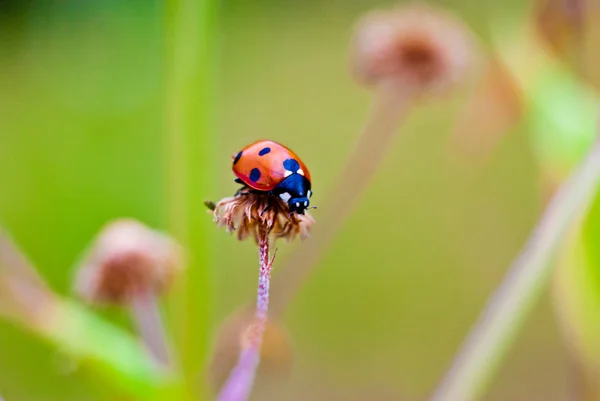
[(267, 166)]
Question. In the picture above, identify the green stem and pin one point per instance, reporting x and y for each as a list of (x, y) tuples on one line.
[(506, 311), (189, 137)]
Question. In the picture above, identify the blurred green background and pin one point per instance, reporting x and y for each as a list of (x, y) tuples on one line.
[(83, 139)]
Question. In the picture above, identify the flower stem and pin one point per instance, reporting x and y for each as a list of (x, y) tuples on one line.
[(190, 31), (484, 348), (144, 308), (241, 379), (390, 107)]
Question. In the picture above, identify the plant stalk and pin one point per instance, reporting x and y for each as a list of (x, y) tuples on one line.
[(146, 313), (189, 151), (238, 386), (507, 309)]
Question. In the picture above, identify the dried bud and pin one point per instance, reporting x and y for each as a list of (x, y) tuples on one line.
[(561, 23), (127, 259), (414, 46), (275, 353), (250, 212)]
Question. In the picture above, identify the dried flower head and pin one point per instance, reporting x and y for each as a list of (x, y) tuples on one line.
[(275, 354), (561, 23), (250, 212), (415, 46), (127, 259)]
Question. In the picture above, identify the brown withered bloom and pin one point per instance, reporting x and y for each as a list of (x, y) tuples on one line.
[(131, 265), (251, 213), (128, 258), (415, 46), (561, 24)]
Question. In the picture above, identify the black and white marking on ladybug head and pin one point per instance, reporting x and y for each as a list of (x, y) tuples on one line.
[(295, 191), (298, 205), (285, 196)]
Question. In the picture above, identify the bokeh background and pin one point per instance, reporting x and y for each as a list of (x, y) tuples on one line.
[(84, 138)]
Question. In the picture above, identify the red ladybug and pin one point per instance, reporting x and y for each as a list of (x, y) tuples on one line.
[(268, 166)]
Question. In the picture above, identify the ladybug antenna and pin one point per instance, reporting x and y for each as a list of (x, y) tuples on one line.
[(311, 207)]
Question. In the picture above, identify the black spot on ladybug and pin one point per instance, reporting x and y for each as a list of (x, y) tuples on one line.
[(264, 151), (254, 175), (237, 158), (291, 165)]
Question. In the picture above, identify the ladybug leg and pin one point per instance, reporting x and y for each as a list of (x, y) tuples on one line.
[(243, 191), (239, 191), (268, 206)]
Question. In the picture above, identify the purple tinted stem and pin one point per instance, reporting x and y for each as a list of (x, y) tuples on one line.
[(505, 313), (145, 310), (241, 379)]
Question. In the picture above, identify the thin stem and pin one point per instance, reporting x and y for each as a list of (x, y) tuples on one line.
[(389, 109), (241, 379), (144, 307), (190, 31), (484, 348)]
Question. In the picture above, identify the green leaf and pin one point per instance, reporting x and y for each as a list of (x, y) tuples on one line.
[(578, 287)]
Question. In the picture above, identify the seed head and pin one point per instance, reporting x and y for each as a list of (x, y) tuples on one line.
[(561, 23), (249, 213), (414, 46), (126, 259)]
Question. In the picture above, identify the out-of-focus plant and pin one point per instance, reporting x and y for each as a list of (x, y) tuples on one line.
[(567, 30), (103, 108), (190, 37), (561, 114), (131, 265), (513, 300), (82, 335)]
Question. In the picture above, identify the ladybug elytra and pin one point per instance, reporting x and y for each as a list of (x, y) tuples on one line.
[(268, 166)]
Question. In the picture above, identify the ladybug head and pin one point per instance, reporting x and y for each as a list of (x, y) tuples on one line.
[(295, 191), (298, 205)]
